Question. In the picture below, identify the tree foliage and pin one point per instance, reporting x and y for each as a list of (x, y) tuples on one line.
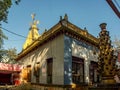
[(9, 56), (116, 43), (2, 37), (4, 8), (2, 53)]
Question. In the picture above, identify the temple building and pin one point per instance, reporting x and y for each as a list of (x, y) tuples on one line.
[(63, 55)]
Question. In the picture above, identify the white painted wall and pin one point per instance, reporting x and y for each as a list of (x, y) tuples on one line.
[(52, 49)]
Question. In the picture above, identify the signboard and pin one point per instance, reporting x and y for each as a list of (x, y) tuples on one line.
[(10, 67)]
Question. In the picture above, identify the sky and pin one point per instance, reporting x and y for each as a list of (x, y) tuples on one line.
[(82, 13)]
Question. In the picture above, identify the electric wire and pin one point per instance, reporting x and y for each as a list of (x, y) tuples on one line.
[(13, 32)]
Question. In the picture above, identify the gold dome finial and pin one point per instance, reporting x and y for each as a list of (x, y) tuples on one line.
[(33, 33), (103, 26), (34, 22), (33, 16)]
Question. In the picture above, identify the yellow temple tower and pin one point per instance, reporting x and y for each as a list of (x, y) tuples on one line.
[(33, 33)]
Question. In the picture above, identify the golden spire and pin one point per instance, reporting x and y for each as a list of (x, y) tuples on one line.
[(34, 22), (33, 32), (33, 16)]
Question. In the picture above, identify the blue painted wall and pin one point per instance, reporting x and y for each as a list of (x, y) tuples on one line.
[(67, 61)]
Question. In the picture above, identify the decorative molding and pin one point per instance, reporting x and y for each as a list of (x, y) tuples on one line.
[(70, 30)]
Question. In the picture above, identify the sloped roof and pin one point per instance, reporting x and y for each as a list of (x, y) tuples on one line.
[(62, 27)]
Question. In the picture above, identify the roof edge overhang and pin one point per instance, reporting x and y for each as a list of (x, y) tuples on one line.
[(81, 34), (42, 39), (62, 27)]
